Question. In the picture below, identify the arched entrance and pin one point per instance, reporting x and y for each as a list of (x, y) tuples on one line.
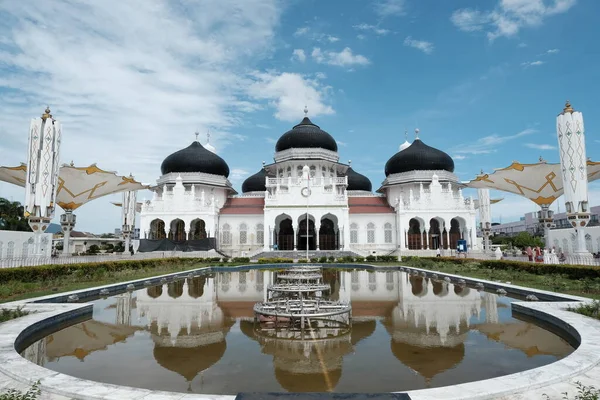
[(328, 233), (302, 233), (414, 234), (435, 234), (198, 230), (157, 229), (454, 233), (177, 232), (285, 235)]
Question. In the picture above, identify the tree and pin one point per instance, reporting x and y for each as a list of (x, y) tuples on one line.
[(524, 239), (11, 216)]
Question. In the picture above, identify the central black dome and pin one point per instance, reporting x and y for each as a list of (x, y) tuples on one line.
[(419, 157), (195, 158), (256, 182), (357, 181), (306, 135)]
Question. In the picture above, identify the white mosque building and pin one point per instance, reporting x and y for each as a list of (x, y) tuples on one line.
[(419, 206)]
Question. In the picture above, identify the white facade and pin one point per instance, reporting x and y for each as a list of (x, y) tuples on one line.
[(565, 240), (416, 210), (14, 244)]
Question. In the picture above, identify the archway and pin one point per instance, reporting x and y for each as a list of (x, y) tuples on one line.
[(328, 233), (414, 234), (177, 232), (197, 229), (435, 234), (157, 229), (302, 233), (285, 234), (455, 228)]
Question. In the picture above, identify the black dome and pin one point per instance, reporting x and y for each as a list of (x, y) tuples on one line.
[(419, 157), (306, 135), (357, 181), (195, 158), (256, 182)]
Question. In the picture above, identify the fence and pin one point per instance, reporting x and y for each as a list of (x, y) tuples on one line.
[(33, 261)]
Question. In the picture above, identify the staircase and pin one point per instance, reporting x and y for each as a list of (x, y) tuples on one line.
[(300, 254)]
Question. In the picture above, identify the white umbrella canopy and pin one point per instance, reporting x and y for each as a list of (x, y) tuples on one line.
[(138, 205), (78, 185), (540, 182)]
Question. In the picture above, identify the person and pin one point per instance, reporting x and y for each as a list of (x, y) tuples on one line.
[(131, 249), (438, 252), (538, 254), (529, 253)]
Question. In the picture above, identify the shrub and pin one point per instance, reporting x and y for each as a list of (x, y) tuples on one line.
[(330, 259), (94, 249), (241, 259), (314, 260), (370, 258), (359, 259), (7, 314), (323, 259), (275, 260), (303, 261), (31, 394)]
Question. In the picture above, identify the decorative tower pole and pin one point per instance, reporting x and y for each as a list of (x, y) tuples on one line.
[(571, 144), (41, 182), (485, 217), (128, 215), (546, 221)]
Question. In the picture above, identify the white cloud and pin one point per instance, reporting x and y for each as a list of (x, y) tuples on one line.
[(552, 51), (390, 8), (302, 31), (509, 16), (522, 45), (361, 37), (424, 46), (371, 28), (237, 175), (459, 157), (130, 82), (288, 93), (344, 58), (320, 75), (540, 146), (489, 144), (271, 140), (536, 63), (340, 143), (333, 39), (298, 54)]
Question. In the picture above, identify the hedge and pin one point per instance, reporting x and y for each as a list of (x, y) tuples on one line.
[(49, 272), (570, 271)]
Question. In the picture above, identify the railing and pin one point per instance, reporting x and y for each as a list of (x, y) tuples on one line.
[(33, 261), (318, 181)]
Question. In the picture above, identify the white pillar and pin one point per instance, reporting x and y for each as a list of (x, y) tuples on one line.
[(571, 143), (67, 223)]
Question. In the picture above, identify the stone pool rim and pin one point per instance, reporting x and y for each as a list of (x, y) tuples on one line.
[(52, 310)]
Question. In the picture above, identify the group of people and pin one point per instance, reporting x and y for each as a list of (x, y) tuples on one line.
[(536, 254)]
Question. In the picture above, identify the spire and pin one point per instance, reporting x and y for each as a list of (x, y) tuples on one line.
[(305, 110), (568, 108), (207, 136), (196, 135), (417, 134), (350, 163)]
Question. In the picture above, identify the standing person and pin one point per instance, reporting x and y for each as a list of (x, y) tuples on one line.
[(529, 253), (438, 252), (538, 254), (131, 249)]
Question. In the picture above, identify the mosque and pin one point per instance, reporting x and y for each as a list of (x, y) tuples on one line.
[(308, 198)]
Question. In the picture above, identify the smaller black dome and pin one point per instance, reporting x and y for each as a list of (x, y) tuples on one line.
[(256, 182), (357, 181), (195, 158), (419, 157), (306, 135)]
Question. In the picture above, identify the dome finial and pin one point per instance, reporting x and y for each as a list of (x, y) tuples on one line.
[(305, 110), (568, 108), (349, 163), (263, 164), (417, 134), (207, 136), (197, 134), (46, 114)]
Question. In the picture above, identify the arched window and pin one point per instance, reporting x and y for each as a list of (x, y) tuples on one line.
[(243, 233), (289, 172), (25, 251), (313, 171), (10, 250), (260, 234), (387, 230), (370, 232), (226, 234), (565, 245), (1, 248), (353, 233), (299, 171)]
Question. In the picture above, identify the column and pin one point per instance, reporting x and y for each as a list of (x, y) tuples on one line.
[(448, 238), (427, 238), (296, 237), (422, 240), (317, 228)]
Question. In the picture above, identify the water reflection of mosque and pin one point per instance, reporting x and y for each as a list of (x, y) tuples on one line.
[(189, 320)]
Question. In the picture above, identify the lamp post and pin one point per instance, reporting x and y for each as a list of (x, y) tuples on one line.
[(546, 221), (573, 162), (485, 217), (306, 192), (42, 173)]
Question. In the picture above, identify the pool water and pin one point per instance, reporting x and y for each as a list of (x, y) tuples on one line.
[(198, 335)]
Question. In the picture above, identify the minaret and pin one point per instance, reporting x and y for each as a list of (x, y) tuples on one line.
[(573, 162), (128, 215), (43, 158), (406, 143)]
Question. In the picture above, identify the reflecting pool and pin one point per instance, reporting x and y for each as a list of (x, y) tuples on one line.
[(199, 335)]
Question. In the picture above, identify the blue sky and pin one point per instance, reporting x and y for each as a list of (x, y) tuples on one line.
[(131, 83)]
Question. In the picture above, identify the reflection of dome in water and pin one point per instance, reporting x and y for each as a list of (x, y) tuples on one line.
[(428, 361), (189, 362), (316, 382), (362, 330)]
